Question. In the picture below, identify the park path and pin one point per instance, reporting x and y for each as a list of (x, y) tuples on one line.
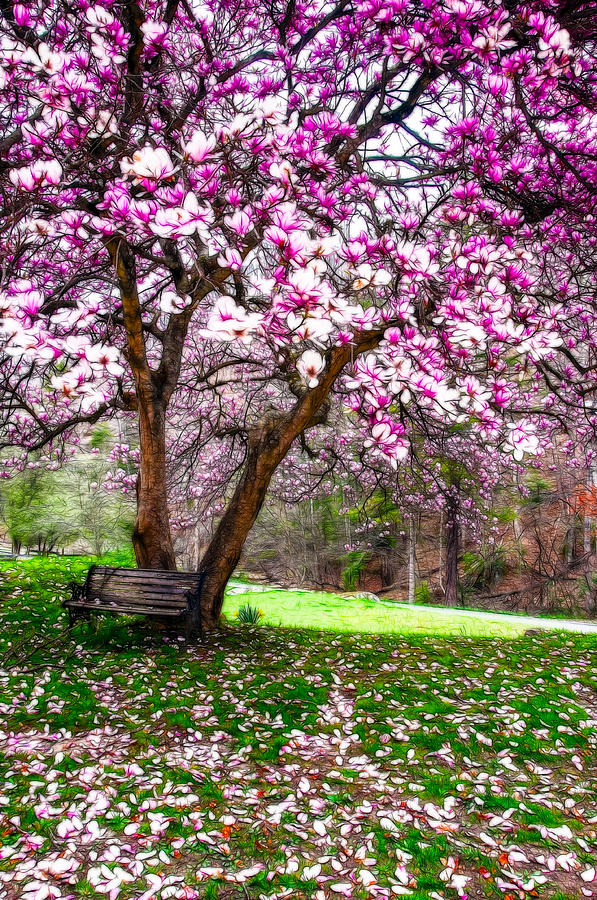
[(529, 621), (576, 625)]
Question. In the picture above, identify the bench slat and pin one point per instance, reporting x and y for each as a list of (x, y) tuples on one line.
[(126, 609), (123, 587), (122, 601), (162, 590), (106, 584), (116, 590), (145, 573), (180, 603)]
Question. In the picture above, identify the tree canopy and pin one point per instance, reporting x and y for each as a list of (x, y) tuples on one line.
[(238, 221)]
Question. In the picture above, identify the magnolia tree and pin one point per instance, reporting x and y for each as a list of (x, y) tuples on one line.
[(226, 219)]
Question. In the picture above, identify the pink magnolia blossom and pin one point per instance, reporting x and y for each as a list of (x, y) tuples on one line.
[(41, 174), (230, 322), (199, 147), (240, 222)]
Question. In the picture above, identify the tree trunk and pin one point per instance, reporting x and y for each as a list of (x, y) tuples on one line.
[(588, 511), (265, 451), (440, 568), (587, 529), (411, 560), (152, 539), (452, 548)]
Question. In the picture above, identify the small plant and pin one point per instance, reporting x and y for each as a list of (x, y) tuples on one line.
[(423, 593), (355, 565), (483, 571), (249, 615), (538, 490)]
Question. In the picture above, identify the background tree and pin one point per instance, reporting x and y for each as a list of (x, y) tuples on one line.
[(54, 504), (36, 517)]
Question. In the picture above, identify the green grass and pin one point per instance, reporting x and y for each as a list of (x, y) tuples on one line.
[(228, 756), (332, 612)]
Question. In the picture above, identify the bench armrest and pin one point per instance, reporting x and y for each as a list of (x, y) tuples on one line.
[(194, 597), (77, 591)]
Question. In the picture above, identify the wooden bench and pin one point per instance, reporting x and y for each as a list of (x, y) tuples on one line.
[(172, 597)]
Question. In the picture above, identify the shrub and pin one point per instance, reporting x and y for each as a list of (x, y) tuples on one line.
[(483, 571), (538, 490)]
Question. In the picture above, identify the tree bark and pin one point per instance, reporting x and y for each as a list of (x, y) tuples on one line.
[(411, 559), (152, 538), (452, 549), (266, 450)]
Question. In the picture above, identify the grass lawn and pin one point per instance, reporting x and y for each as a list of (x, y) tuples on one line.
[(277, 762), (311, 609)]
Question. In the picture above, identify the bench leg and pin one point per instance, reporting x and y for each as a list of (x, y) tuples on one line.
[(74, 615), (193, 625)]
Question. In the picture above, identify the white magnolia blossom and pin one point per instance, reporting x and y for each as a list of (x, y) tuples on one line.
[(309, 328), (467, 334), (521, 439), (104, 125), (178, 221), (40, 890), (149, 163), (41, 173), (154, 32), (99, 17), (309, 366), (171, 302), (43, 59), (107, 357), (368, 277)]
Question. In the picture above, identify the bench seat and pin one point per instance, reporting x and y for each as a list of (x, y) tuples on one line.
[(147, 592)]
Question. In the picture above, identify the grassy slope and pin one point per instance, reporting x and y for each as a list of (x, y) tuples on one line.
[(279, 762), (310, 609)]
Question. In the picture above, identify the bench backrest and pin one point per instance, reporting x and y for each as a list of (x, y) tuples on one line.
[(141, 587)]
